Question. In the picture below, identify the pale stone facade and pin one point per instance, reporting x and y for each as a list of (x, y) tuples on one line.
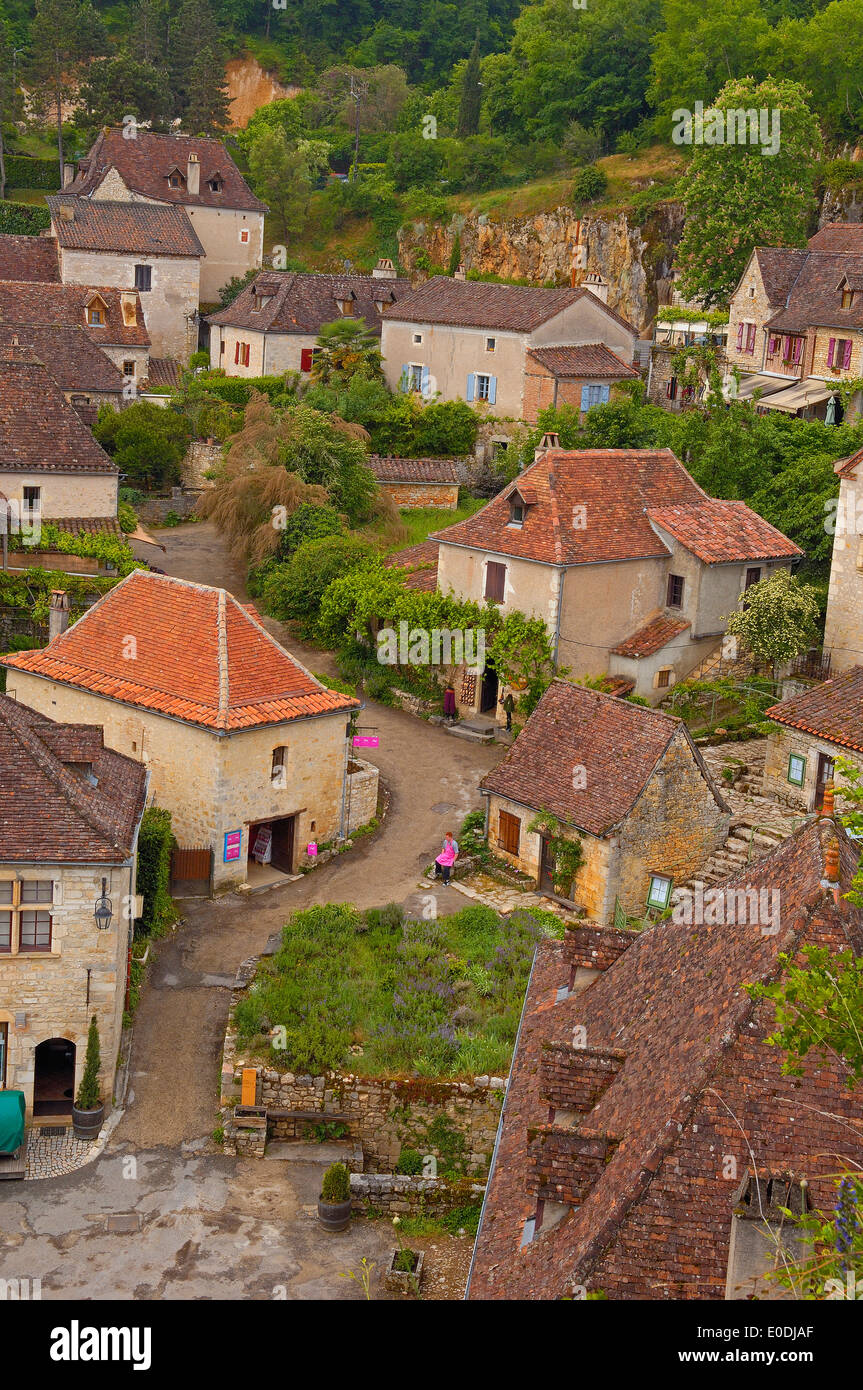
[(785, 743), (215, 783), (65, 494), (169, 305), (843, 632), (269, 354), (44, 995)]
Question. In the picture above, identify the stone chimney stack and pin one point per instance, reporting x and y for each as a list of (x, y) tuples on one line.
[(58, 614), (193, 175), (384, 270), (596, 285), (68, 174), (460, 274), (67, 212), (548, 441)]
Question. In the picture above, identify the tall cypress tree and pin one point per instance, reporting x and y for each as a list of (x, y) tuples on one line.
[(471, 95)]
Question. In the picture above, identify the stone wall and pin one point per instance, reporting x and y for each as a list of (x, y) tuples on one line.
[(362, 793), (394, 1194), (442, 495), (780, 746), (200, 458), (153, 510), (386, 1116)]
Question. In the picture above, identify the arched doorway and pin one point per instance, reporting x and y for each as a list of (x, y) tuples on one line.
[(54, 1077), (488, 689)]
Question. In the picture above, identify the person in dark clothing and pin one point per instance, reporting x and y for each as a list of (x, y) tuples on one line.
[(449, 706), (508, 704)]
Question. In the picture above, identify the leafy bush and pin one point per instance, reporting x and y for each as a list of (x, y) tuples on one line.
[(127, 517), (590, 184), (294, 590), (172, 518), (310, 523), (410, 1162), (336, 1184), (23, 219), (25, 171), (155, 842), (146, 442)]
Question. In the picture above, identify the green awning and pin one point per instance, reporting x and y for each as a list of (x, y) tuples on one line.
[(12, 1109)]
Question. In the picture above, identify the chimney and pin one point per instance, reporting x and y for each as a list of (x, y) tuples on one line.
[(58, 614), (68, 174), (827, 805), (384, 270), (461, 273), (67, 212), (193, 175), (596, 285), (548, 441)]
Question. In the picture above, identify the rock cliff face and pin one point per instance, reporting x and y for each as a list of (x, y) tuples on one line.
[(844, 206), (559, 248)]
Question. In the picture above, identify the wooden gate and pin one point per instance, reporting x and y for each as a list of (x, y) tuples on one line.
[(191, 871)]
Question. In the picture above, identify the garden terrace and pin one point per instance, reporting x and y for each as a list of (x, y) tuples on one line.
[(386, 995)]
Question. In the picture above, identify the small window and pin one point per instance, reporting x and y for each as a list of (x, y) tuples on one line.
[(659, 892), (143, 277), (751, 291), (5, 932), (244, 236), (278, 768), (418, 337), (847, 299), (753, 576), (674, 598), (796, 770), (95, 317), (483, 387), (508, 832), (32, 500), (6, 887), (415, 377), (175, 180), (490, 344), (37, 890), (495, 581), (221, 347), (516, 512), (35, 931), (663, 678), (215, 185)]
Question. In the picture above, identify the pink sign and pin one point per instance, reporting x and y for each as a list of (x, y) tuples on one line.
[(365, 740), (233, 841), (311, 850)]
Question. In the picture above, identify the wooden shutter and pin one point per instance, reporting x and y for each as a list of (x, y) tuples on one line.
[(739, 336), (846, 353), (495, 579), (492, 390), (306, 360), (237, 353), (471, 386), (585, 398), (831, 349), (508, 832)]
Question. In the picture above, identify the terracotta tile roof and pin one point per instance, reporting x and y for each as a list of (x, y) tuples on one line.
[(39, 430), (838, 236), (847, 468), (49, 812), (677, 1072), (591, 506), (723, 532), (146, 163), (832, 710), (69, 353), (586, 360), (779, 266), (29, 258), (476, 304), (815, 299), (201, 657), (618, 744), (163, 371), (296, 303), (652, 637), (420, 564), (86, 525), (48, 304), (401, 470), (142, 229)]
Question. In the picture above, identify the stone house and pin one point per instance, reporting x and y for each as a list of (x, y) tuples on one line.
[(813, 729), (51, 468), (273, 324), (477, 342), (245, 748), (843, 631), (85, 374), (417, 482), (650, 1138), (671, 334), (150, 249), (188, 172), (112, 319), (70, 810), (627, 781), (628, 562), (796, 324)]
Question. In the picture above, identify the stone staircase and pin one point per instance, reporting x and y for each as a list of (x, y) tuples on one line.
[(714, 665)]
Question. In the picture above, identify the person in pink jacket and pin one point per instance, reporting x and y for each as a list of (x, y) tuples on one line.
[(447, 857)]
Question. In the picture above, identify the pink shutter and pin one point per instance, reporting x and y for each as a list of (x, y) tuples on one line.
[(831, 348), (750, 337), (846, 353), (798, 350), (739, 336)]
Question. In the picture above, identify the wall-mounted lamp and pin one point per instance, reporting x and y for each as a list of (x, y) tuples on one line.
[(103, 913)]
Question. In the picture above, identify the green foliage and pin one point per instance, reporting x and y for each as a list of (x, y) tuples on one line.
[(347, 349), (92, 545), (310, 523), (410, 1162), (294, 590), (779, 620), (818, 1007), (88, 1088), (567, 850), (146, 442), (24, 171), (590, 183), (522, 652), (336, 1184), (23, 219), (155, 842), (127, 517)]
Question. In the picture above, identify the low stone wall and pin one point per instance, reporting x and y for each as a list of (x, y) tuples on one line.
[(394, 1194), (362, 793), (200, 459), (153, 510), (412, 704)]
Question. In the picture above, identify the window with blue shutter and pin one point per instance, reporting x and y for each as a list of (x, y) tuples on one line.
[(492, 390), (471, 386), (585, 398), (424, 381), (604, 392), (405, 383)]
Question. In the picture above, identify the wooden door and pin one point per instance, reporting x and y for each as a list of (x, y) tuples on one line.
[(546, 867), (283, 844), (823, 776)]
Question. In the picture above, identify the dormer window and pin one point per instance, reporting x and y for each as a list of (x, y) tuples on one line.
[(175, 178), (346, 308), (847, 298), (216, 183), (516, 510), (259, 301), (96, 313)]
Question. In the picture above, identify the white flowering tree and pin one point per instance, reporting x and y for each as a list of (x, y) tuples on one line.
[(779, 620)]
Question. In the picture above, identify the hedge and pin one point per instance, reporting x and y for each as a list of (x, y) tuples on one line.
[(155, 841), (25, 171), (237, 391), (23, 219)]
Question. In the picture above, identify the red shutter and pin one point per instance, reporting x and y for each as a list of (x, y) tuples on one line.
[(846, 353), (237, 353), (750, 337), (306, 359), (831, 348), (246, 354)]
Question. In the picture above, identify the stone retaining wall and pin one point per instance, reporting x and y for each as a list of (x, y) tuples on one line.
[(394, 1194)]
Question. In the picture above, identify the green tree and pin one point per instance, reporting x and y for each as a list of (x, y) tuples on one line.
[(122, 85), (347, 348), (146, 442), (10, 103), (780, 618), (293, 591), (523, 656), (824, 52), (64, 36), (193, 31), (737, 197), (206, 110), (700, 47), (88, 1087), (470, 105), (283, 174)]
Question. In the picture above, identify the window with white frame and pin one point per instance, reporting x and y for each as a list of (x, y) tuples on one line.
[(483, 386), (490, 344), (659, 892)]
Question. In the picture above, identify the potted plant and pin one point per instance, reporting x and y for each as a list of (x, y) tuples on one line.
[(88, 1110), (405, 1268), (334, 1203)]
